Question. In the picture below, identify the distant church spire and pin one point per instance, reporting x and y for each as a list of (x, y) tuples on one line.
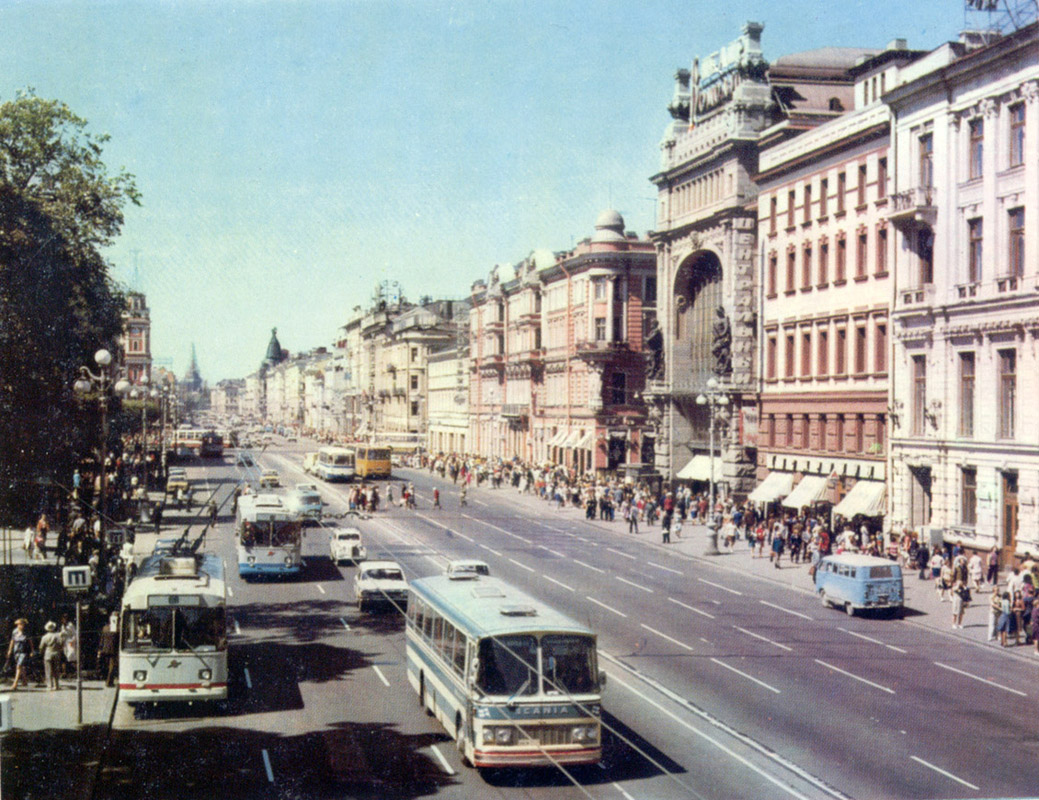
[(192, 378), (274, 352)]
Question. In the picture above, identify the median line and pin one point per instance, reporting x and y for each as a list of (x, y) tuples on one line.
[(665, 636), (666, 569), (632, 583), (490, 550), (785, 610), (559, 583), (691, 608), (979, 678), (856, 677), (745, 675), (619, 553), (762, 638), (589, 566), (719, 586), (941, 771), (524, 566), (608, 608)]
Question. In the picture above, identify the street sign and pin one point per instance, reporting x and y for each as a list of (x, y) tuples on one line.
[(76, 579)]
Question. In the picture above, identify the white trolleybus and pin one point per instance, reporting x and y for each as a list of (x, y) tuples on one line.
[(173, 629), (268, 537), (335, 464), (515, 681)]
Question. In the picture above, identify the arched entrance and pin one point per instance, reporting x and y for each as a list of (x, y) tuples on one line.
[(698, 294)]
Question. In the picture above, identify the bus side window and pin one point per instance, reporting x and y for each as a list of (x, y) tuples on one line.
[(460, 645)]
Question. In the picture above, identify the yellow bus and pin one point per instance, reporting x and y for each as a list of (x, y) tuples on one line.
[(372, 461)]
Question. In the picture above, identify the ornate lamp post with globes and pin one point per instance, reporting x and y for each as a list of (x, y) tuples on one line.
[(101, 382), (717, 401)]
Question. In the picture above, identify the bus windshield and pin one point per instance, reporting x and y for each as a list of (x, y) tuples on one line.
[(343, 459), (569, 663), (270, 534), (284, 534), (507, 665), (196, 628)]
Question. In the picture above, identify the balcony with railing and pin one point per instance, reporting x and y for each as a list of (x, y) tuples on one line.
[(515, 411), (599, 350), (913, 207), (922, 296), (533, 357)]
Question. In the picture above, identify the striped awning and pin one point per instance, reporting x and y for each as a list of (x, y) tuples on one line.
[(588, 440), (557, 440), (810, 490), (866, 498), (572, 439), (775, 485), (699, 469)]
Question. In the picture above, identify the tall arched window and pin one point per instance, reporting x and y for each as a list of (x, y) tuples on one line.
[(698, 294)]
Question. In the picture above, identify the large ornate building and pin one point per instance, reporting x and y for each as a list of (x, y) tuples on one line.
[(136, 338)]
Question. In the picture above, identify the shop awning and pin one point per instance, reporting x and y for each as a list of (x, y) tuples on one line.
[(588, 440), (776, 485), (572, 439), (557, 440), (699, 469), (810, 490), (866, 498)]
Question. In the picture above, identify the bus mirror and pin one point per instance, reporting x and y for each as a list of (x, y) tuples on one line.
[(474, 668), (602, 679)]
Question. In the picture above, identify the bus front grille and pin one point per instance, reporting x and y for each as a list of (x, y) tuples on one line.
[(548, 734)]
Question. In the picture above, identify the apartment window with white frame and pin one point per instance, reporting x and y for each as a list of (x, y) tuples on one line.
[(1007, 392), (969, 496), (967, 380)]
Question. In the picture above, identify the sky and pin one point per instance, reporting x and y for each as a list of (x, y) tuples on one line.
[(291, 155)]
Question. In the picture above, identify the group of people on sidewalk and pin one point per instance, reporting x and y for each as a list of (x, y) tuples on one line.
[(57, 648)]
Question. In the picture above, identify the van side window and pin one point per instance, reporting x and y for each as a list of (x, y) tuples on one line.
[(842, 569)]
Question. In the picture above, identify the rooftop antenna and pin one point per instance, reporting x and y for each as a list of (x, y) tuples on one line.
[(1000, 16), (135, 281)]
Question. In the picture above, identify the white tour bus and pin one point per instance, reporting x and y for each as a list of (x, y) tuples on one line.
[(173, 630), (335, 464), (269, 537), (513, 680)]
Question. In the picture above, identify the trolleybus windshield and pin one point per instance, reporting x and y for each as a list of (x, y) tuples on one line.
[(197, 628)]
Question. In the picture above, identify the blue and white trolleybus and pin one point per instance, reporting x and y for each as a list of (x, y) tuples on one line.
[(268, 537)]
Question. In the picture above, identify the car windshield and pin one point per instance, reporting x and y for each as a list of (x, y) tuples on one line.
[(508, 665), (569, 663), (385, 575), (174, 628), (309, 499), (347, 537)]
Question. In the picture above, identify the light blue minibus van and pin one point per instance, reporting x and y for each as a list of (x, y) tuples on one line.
[(856, 582)]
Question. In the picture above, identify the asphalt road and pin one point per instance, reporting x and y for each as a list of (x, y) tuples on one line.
[(721, 684)]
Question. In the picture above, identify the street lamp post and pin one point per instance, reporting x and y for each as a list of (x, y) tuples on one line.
[(716, 400), (101, 381), (141, 391)]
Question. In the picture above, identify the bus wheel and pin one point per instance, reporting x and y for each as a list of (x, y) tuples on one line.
[(422, 694), (461, 734)]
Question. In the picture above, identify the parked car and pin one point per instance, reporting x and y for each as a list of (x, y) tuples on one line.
[(345, 545), (305, 501), (463, 568), (245, 460), (270, 477), (380, 583), (856, 582), (177, 479)]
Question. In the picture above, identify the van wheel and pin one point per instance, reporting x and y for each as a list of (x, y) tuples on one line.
[(823, 600), (849, 609)]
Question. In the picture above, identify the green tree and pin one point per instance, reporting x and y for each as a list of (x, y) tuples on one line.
[(59, 208)]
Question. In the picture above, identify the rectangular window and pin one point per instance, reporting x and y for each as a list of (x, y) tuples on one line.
[(879, 430), (881, 252), (881, 178), (840, 433), (773, 276), (806, 354), (824, 189), (840, 357), (1017, 135), (772, 430), (806, 268), (414, 408), (600, 288), (860, 349), (790, 209), (880, 348), (789, 430), (862, 184), (974, 248), (619, 388), (414, 383), (968, 496), (926, 156), (649, 291), (861, 251), (925, 255), (791, 271), (414, 354), (823, 360), (842, 181), (770, 361), (824, 263), (842, 259), (919, 394), (806, 432), (773, 202), (789, 356), (600, 329), (977, 146), (967, 395), (1016, 265), (860, 433), (808, 203), (1007, 392)]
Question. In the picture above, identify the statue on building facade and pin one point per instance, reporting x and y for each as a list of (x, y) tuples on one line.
[(655, 343), (721, 344)]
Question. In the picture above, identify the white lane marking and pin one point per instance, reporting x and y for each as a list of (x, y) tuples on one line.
[(524, 566), (267, 766), (694, 610), (555, 552), (787, 610), (248, 679), (762, 638), (636, 585), (479, 502), (943, 772), (871, 639), (719, 586), (617, 786), (495, 527), (745, 675), (488, 549), (608, 608), (705, 641), (381, 676), (589, 566), (618, 552), (237, 628), (979, 678), (558, 583), (230, 592), (441, 759), (345, 625), (321, 589), (665, 636), (856, 677), (692, 728), (668, 569), (457, 533)]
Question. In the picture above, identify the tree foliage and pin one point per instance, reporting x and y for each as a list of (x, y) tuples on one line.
[(59, 207)]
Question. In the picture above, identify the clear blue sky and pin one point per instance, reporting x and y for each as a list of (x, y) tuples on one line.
[(292, 154)]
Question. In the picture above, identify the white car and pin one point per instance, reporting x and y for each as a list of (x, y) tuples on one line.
[(465, 568), (345, 545), (305, 501), (380, 583)]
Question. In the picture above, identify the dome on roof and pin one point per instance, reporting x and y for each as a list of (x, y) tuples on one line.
[(609, 227), (543, 259)]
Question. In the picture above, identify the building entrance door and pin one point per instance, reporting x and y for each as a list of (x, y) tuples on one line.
[(1009, 511), (919, 497)]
